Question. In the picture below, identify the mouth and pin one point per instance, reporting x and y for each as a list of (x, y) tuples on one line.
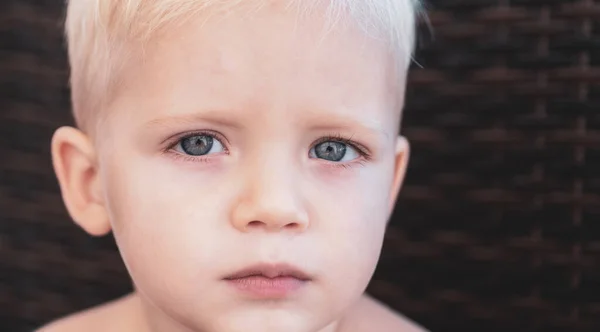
[(269, 281)]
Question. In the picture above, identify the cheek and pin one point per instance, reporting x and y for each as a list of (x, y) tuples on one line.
[(354, 216), (164, 223)]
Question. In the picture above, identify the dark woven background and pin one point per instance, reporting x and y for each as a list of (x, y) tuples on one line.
[(496, 229)]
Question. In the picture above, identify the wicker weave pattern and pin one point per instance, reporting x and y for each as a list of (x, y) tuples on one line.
[(48, 267), (496, 229)]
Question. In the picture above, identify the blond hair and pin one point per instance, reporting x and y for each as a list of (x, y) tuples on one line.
[(99, 34)]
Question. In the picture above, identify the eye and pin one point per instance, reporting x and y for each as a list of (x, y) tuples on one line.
[(334, 151), (199, 145)]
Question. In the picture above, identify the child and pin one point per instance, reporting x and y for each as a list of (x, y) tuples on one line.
[(245, 155)]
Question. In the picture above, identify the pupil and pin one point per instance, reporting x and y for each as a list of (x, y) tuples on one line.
[(197, 145), (332, 151)]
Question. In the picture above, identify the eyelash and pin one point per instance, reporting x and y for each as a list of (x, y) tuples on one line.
[(183, 157), (364, 153)]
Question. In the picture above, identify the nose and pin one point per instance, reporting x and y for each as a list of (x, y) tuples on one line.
[(270, 201)]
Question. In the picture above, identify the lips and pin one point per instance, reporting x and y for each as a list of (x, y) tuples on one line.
[(269, 281), (270, 271)]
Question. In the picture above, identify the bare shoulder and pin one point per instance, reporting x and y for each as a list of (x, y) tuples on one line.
[(371, 315), (106, 317)]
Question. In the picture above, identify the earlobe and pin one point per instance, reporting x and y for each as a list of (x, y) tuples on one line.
[(74, 160), (401, 164)]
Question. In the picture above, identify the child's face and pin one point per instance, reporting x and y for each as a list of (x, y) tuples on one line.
[(226, 148)]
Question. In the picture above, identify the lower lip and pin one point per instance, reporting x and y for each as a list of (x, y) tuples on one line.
[(267, 288)]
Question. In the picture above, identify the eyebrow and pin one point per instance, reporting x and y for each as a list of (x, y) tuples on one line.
[(210, 117), (324, 122), (364, 126)]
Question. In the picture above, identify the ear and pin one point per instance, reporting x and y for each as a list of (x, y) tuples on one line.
[(74, 160), (401, 163)]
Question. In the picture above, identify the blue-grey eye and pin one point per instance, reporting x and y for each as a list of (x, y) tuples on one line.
[(334, 151), (199, 145)]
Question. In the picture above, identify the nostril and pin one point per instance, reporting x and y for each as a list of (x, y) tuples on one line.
[(254, 223), (292, 225), (260, 224)]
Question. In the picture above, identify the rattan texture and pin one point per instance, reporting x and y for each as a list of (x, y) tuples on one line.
[(495, 230)]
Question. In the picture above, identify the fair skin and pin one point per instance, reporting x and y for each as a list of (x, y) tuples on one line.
[(273, 95)]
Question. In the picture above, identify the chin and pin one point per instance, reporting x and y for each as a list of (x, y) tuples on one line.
[(267, 321)]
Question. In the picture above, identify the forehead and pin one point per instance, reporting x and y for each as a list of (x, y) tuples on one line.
[(265, 60)]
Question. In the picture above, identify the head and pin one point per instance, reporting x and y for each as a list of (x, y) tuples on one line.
[(217, 135)]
